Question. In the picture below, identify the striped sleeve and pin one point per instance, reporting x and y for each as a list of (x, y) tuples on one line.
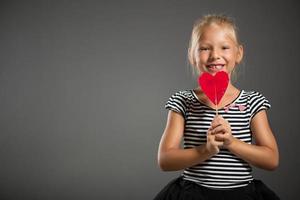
[(257, 103), (177, 103)]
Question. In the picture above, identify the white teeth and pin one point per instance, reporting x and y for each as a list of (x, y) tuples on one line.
[(219, 67)]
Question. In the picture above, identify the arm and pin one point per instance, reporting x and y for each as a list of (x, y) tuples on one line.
[(264, 154), (172, 157)]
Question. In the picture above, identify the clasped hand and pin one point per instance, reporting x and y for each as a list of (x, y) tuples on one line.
[(219, 134)]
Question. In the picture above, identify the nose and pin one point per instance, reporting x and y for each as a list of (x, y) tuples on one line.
[(214, 55)]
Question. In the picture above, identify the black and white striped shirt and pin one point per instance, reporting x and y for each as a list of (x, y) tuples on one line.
[(224, 170)]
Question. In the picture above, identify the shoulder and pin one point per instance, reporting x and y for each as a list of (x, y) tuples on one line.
[(256, 102), (186, 97), (253, 96), (183, 94), (180, 101), (251, 93)]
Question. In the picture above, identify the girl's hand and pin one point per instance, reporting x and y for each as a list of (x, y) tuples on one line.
[(221, 129), (212, 144)]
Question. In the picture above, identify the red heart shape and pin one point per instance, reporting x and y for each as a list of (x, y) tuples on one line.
[(214, 86)]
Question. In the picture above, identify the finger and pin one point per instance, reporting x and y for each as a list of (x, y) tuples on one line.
[(218, 143), (215, 124), (219, 130), (220, 137), (218, 120), (224, 121), (210, 135), (219, 117), (214, 121), (209, 132)]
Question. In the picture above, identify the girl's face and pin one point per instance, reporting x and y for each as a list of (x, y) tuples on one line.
[(217, 50)]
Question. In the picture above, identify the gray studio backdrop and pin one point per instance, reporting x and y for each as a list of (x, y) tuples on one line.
[(83, 86)]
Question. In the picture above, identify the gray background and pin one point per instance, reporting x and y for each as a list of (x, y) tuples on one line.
[(83, 86)]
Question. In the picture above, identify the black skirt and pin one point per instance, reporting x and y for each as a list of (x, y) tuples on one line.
[(180, 189)]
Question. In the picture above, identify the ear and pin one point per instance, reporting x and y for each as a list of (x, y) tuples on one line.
[(240, 54)]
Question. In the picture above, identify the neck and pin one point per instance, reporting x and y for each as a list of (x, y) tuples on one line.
[(231, 89)]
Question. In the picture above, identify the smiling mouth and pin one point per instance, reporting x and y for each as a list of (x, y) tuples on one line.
[(215, 67)]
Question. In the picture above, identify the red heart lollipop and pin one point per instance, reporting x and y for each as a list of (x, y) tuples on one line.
[(214, 86)]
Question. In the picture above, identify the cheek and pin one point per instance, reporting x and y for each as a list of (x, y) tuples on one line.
[(202, 57), (232, 57), (235, 55)]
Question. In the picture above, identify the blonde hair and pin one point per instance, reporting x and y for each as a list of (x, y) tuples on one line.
[(198, 29)]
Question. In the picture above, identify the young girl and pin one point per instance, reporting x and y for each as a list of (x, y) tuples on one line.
[(218, 149)]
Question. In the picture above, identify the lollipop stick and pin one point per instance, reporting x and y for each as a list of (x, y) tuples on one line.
[(216, 100)]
